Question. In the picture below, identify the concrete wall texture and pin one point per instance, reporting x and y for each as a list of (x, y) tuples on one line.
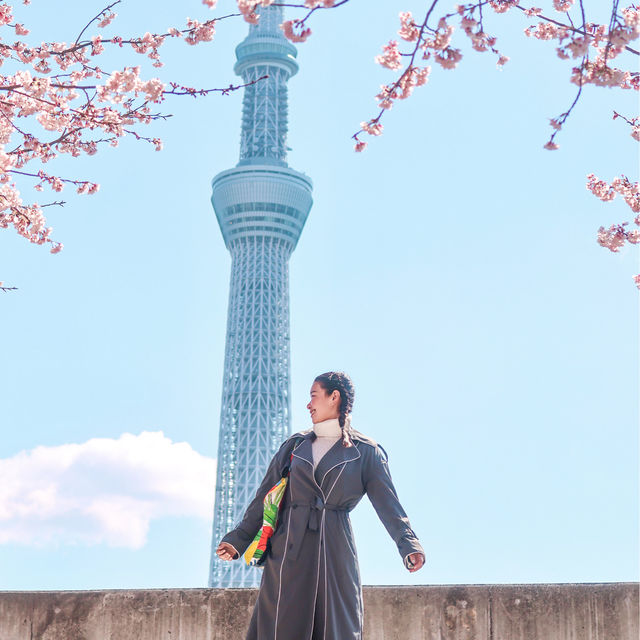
[(599, 611)]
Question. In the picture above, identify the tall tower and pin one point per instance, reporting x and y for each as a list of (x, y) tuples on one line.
[(261, 206)]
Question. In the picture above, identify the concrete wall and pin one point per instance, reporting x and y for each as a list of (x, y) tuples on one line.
[(607, 611)]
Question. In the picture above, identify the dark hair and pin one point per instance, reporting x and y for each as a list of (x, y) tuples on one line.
[(341, 382)]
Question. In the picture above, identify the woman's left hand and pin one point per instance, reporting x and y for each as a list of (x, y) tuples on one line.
[(417, 559)]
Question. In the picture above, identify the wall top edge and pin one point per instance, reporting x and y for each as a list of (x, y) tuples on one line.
[(372, 587)]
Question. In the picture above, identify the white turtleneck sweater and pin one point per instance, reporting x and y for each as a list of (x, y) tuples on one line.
[(328, 432)]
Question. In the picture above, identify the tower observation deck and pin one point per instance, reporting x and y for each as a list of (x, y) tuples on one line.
[(261, 206)]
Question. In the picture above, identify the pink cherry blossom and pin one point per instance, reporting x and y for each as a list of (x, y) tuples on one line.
[(312, 4), (563, 5), (629, 192), (107, 20), (631, 17), (97, 47), (449, 58), (443, 36), (546, 31), (612, 238), (385, 98), (600, 188), (5, 14), (153, 89), (390, 57), (289, 27), (578, 46), (372, 128), (600, 73), (199, 32), (501, 6), (247, 9), (408, 30)]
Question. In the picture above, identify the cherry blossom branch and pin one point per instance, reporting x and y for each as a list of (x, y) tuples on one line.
[(410, 76), (557, 123), (57, 183), (620, 31), (57, 203), (54, 104), (583, 31), (103, 12), (188, 91)]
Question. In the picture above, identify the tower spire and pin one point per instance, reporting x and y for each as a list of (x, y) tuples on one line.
[(265, 52), (261, 206)]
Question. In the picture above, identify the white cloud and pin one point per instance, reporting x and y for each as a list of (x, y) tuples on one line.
[(103, 490)]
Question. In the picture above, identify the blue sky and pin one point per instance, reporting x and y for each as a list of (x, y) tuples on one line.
[(451, 269)]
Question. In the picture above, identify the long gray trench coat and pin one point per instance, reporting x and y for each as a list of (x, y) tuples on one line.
[(310, 588)]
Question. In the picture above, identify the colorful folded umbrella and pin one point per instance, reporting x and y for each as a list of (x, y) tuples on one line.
[(255, 555)]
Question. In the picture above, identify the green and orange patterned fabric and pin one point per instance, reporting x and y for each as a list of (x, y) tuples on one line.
[(253, 556)]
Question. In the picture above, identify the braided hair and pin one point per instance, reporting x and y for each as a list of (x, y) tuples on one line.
[(341, 382)]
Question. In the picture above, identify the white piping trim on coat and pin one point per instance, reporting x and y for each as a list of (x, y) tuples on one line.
[(315, 597), (338, 464), (326, 600), (312, 475), (284, 555)]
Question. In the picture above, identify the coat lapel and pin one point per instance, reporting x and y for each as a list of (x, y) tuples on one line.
[(303, 450), (334, 458), (304, 454)]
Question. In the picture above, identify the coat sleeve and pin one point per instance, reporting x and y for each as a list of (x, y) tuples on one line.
[(242, 536), (383, 497)]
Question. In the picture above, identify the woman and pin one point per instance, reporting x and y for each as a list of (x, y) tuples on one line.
[(310, 588)]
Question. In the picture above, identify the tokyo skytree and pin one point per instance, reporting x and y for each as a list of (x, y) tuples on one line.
[(261, 206)]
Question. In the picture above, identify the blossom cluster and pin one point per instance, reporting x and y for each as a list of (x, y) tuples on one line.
[(295, 31), (563, 5), (600, 73), (390, 57), (576, 40), (623, 186), (615, 237), (608, 43), (58, 88), (502, 6), (408, 29)]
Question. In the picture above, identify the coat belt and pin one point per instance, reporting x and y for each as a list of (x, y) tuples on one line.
[(315, 510)]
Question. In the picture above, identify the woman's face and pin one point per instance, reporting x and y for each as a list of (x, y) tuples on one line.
[(322, 405)]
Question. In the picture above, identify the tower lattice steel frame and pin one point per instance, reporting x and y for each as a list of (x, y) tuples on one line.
[(261, 206)]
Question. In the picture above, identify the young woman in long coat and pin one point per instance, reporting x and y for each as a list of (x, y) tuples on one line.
[(310, 588)]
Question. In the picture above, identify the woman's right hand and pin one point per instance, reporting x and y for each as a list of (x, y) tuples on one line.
[(226, 551)]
